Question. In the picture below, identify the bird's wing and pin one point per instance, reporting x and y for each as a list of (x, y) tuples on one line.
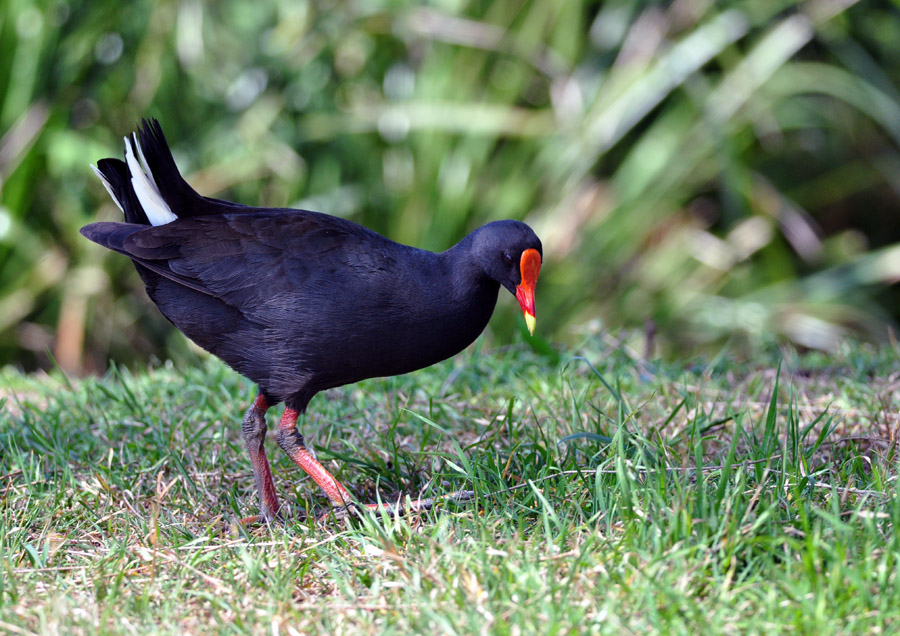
[(247, 257)]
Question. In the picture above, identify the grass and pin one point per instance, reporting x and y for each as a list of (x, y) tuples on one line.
[(613, 494)]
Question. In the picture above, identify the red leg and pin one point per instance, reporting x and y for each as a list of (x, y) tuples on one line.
[(291, 442), (254, 429)]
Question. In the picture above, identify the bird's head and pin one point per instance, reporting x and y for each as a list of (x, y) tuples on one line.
[(510, 253)]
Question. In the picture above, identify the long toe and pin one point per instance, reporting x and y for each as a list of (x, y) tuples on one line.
[(270, 518), (399, 508)]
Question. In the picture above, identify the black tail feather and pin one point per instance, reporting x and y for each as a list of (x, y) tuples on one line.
[(118, 179), (178, 195), (181, 198)]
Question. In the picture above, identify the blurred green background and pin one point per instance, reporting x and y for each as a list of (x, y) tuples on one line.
[(705, 171)]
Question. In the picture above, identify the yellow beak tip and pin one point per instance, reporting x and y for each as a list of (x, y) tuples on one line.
[(530, 322)]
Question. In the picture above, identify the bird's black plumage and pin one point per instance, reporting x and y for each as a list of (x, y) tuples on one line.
[(295, 300)]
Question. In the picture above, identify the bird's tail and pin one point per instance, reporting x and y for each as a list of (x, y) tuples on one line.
[(147, 186)]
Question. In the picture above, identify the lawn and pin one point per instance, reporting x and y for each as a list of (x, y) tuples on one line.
[(612, 494)]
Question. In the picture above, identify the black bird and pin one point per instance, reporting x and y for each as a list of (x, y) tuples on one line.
[(300, 301)]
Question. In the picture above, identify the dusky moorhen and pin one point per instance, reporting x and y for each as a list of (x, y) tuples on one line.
[(300, 301)]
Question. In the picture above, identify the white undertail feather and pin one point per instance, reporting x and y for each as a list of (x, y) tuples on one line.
[(107, 186), (158, 212)]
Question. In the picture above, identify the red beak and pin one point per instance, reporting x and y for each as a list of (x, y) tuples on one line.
[(530, 267)]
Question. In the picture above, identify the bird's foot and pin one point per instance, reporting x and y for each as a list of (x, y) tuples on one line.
[(267, 517), (253, 520), (398, 508)]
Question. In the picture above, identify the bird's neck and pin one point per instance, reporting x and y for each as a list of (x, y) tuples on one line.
[(471, 292), (465, 273)]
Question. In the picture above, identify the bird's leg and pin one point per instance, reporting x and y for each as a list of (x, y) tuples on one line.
[(291, 442), (254, 429)]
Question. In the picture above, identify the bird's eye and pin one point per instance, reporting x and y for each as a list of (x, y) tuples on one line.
[(507, 258)]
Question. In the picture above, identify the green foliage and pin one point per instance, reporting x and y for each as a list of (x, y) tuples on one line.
[(719, 169), (610, 497)]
